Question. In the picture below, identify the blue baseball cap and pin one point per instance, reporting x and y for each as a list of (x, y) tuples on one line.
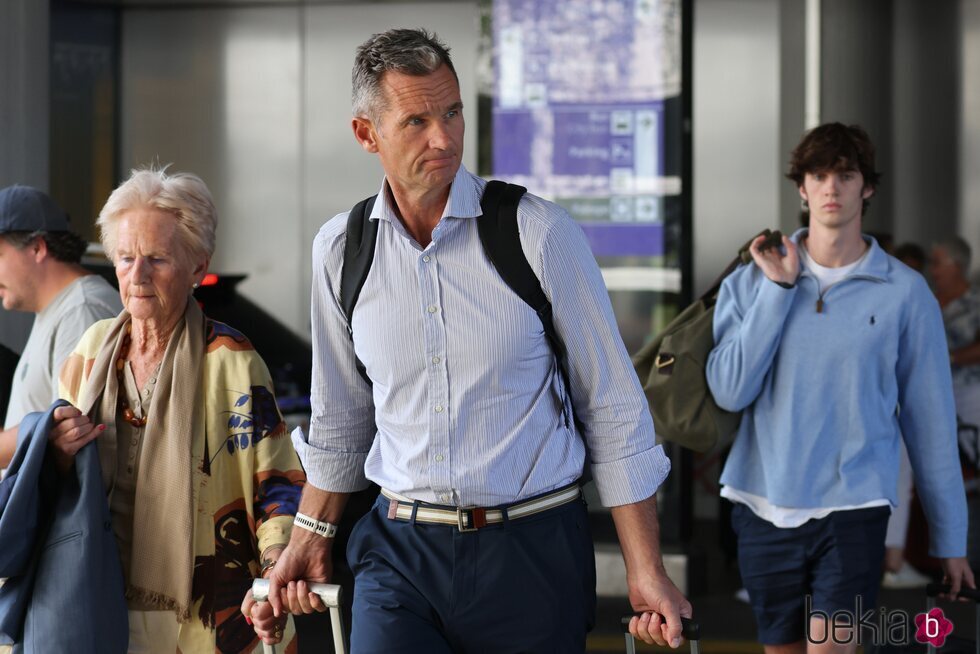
[(26, 209)]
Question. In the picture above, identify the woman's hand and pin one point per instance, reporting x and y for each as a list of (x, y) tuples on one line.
[(71, 432), (267, 626)]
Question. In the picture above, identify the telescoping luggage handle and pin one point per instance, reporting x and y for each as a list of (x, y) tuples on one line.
[(934, 590), (690, 630), (330, 594)]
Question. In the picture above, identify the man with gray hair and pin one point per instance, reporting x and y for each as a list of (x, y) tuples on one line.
[(40, 273), (480, 538), (949, 268)]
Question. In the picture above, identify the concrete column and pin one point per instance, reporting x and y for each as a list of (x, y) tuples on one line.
[(23, 118), (923, 181), (856, 84), (969, 128), (736, 128), (792, 29), (24, 46)]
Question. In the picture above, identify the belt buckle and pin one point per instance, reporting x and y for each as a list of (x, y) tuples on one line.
[(459, 521)]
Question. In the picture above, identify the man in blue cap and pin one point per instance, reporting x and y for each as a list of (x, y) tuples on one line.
[(40, 273)]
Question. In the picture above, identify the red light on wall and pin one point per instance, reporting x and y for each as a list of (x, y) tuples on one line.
[(209, 280)]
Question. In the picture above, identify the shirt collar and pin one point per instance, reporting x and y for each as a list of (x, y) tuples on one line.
[(465, 194), (874, 264)]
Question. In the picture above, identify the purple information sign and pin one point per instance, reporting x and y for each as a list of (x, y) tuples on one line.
[(618, 240), (578, 112), (511, 154)]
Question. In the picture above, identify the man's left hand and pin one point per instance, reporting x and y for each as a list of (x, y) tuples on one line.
[(662, 605), (957, 573)]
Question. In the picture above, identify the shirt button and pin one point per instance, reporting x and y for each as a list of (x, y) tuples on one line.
[(146, 392), (439, 457), (432, 308), (426, 258), (438, 408), (436, 360), (153, 380)]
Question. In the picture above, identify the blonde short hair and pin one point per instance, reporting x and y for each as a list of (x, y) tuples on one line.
[(184, 195)]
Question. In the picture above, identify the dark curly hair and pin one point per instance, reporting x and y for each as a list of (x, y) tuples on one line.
[(66, 247), (835, 147)]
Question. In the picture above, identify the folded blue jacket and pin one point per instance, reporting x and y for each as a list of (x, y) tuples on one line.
[(64, 590)]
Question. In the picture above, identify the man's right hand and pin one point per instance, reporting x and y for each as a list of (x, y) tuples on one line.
[(307, 558), (778, 267)]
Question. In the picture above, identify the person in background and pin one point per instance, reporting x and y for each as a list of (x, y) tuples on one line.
[(480, 538), (885, 241), (204, 479), (899, 573), (912, 256), (819, 344), (40, 273), (949, 265)]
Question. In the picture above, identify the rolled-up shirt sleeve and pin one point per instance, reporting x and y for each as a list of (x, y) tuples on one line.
[(342, 424), (627, 464)]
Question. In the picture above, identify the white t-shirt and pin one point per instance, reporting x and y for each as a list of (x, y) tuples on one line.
[(827, 277), (787, 517), (57, 330)]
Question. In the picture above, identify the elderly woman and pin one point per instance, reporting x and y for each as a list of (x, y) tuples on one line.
[(949, 265), (203, 481)]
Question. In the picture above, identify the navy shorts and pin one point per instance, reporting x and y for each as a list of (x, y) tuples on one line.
[(527, 585), (831, 561)]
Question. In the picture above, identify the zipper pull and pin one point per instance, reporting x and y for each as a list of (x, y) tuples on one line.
[(820, 304)]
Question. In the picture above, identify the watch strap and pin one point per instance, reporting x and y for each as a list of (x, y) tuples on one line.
[(318, 527)]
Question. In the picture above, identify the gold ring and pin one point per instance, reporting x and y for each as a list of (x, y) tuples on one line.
[(277, 634)]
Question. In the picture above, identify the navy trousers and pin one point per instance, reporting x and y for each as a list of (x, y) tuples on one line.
[(526, 585)]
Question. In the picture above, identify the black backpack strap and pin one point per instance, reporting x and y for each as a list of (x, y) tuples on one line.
[(501, 241), (362, 236)]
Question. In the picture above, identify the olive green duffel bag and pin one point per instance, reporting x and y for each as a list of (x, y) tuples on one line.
[(671, 370)]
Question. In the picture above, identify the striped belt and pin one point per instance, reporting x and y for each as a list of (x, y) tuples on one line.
[(473, 518)]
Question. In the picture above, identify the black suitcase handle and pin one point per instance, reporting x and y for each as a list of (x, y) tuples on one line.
[(935, 589), (690, 629)]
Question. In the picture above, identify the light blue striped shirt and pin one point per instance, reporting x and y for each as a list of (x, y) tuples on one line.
[(464, 407)]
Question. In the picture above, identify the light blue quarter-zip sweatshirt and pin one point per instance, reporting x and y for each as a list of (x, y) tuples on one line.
[(821, 377)]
